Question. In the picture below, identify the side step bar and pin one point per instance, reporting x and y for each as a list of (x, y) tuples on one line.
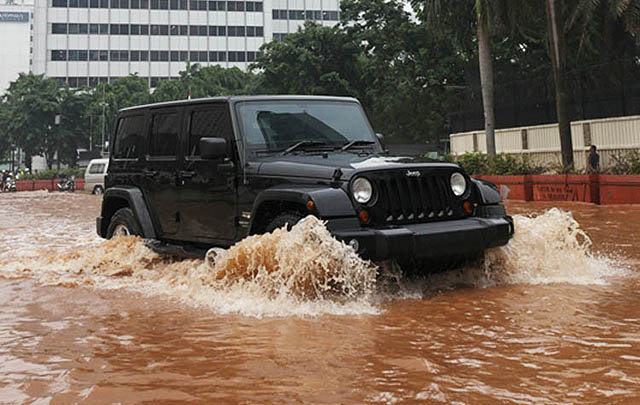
[(179, 251)]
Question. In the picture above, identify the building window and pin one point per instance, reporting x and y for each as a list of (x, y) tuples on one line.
[(57, 28), (304, 15), (58, 54)]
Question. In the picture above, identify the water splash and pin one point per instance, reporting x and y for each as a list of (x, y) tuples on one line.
[(545, 249), (305, 271), (549, 248)]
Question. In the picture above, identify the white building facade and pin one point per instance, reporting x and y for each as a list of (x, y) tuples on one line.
[(16, 24), (85, 42)]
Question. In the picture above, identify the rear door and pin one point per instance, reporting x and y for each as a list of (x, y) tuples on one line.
[(208, 188), (160, 173)]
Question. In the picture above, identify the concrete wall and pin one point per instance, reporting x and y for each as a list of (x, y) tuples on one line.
[(542, 142)]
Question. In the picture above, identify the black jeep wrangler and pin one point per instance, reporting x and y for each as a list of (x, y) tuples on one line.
[(189, 175)]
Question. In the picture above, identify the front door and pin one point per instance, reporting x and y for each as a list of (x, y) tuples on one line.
[(160, 174), (208, 188)]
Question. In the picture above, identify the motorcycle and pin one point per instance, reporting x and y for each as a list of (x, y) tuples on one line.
[(67, 184), (11, 185)]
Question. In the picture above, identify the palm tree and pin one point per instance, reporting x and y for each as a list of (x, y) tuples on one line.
[(438, 13), (555, 25), (559, 19)]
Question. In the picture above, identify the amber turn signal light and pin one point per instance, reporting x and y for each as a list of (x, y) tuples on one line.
[(467, 207), (364, 216), (310, 205)]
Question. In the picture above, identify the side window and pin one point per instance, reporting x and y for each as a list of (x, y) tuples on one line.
[(128, 137), (97, 168), (211, 122), (164, 135)]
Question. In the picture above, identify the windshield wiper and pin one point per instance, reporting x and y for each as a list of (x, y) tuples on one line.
[(302, 144), (357, 142)]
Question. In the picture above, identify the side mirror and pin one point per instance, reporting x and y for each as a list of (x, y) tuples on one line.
[(381, 140), (213, 148)]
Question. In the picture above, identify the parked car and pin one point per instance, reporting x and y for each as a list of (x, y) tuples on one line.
[(94, 175), (189, 175)]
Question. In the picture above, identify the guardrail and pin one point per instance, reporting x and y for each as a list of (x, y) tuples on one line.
[(590, 188)]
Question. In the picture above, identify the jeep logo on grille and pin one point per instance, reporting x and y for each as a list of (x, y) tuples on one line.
[(412, 173)]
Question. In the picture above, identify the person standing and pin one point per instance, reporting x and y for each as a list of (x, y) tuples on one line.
[(5, 177), (593, 163)]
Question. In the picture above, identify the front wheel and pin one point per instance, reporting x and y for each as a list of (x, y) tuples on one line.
[(287, 218), (123, 223)]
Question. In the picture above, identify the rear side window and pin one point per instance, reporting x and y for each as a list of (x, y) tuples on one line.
[(213, 121), (129, 137), (164, 135), (97, 168)]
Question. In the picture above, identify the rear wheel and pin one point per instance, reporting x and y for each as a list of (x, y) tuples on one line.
[(97, 190), (287, 218), (123, 223)]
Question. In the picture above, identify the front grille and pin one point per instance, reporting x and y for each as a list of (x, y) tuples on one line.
[(403, 199)]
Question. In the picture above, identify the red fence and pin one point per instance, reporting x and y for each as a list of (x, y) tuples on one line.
[(592, 188), (50, 185)]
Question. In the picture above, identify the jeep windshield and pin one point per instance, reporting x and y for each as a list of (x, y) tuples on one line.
[(298, 125)]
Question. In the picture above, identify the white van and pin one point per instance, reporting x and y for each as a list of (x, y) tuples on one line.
[(94, 176)]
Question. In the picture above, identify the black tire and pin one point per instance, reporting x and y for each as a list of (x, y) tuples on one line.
[(287, 218), (123, 222), (97, 190)]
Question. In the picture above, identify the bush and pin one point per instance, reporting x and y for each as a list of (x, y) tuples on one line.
[(499, 165), (474, 163), (626, 163), (55, 174)]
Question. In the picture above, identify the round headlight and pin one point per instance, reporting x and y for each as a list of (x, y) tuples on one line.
[(362, 190), (458, 184)]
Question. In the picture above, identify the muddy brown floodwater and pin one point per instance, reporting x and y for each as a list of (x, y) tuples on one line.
[(295, 317)]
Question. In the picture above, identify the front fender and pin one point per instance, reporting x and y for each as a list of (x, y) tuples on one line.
[(328, 202), (488, 192)]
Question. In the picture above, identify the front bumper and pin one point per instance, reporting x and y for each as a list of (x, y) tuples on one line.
[(426, 241)]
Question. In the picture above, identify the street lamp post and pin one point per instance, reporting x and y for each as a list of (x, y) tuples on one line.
[(104, 106)]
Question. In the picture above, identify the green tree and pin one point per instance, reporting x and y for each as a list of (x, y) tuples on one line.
[(74, 124), (201, 82), (108, 98), (30, 106), (561, 18), (486, 15), (314, 60), (407, 72)]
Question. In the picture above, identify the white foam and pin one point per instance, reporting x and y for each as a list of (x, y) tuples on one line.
[(306, 272)]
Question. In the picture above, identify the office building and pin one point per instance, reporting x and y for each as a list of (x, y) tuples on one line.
[(16, 23), (84, 42)]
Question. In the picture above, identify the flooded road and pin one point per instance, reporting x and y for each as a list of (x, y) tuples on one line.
[(547, 319)]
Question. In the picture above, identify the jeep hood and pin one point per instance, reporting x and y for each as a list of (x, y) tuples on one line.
[(319, 167)]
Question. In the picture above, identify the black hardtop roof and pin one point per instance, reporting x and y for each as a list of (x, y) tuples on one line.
[(235, 99)]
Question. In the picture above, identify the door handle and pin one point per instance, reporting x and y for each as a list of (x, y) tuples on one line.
[(185, 174), (150, 173)]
